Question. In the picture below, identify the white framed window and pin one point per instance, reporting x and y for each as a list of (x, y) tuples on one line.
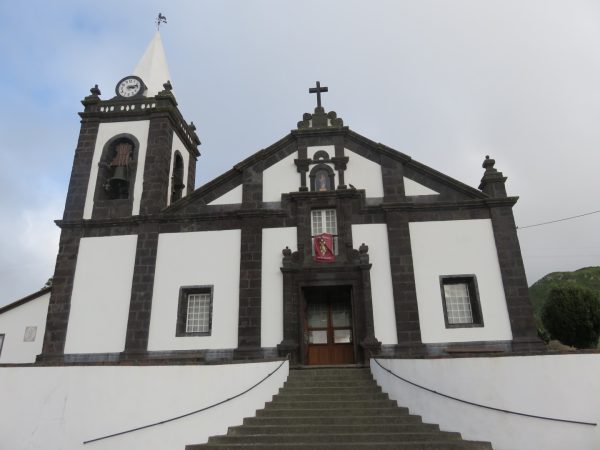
[(460, 299), (194, 313), (325, 221)]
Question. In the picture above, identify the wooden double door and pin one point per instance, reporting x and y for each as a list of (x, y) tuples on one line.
[(328, 326)]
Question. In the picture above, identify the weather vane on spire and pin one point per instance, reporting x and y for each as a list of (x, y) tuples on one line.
[(160, 19)]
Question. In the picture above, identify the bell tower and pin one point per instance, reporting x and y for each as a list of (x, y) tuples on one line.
[(130, 146), (135, 156)]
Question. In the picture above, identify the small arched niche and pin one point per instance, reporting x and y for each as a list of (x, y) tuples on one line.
[(117, 168), (177, 175), (322, 178)]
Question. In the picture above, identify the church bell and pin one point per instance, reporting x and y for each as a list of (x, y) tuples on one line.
[(118, 184), (119, 176)]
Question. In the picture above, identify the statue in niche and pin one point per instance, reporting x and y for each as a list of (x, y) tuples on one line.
[(322, 181)]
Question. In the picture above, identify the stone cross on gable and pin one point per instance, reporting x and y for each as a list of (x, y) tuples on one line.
[(317, 90)]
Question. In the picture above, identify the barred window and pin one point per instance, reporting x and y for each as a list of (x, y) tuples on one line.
[(460, 301), (198, 313), (194, 314)]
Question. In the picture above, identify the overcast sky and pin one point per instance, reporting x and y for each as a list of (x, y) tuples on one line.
[(446, 82)]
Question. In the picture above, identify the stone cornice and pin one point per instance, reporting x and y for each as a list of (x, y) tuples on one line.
[(463, 204), (142, 108), (135, 221)]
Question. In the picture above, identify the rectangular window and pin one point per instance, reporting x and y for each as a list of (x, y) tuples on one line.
[(460, 300), (194, 313), (325, 221)]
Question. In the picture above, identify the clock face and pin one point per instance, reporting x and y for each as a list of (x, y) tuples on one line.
[(130, 87)]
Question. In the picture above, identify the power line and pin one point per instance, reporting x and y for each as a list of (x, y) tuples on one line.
[(559, 220)]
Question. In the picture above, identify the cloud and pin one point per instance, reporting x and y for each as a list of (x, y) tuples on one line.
[(445, 82)]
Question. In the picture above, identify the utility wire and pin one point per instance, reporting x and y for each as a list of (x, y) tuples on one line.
[(559, 220)]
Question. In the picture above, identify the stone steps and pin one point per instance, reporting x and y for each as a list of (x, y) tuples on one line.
[(335, 408), (399, 419), (333, 429), (430, 445)]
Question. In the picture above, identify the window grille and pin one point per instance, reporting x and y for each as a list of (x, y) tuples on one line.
[(198, 313), (460, 298), (458, 303), (194, 313)]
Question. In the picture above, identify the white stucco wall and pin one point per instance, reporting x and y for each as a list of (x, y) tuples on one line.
[(178, 146), (204, 258), (106, 131), (58, 408), (101, 295), (281, 178), (274, 240), (458, 247), (559, 386), (363, 173), (384, 316), (411, 188), (232, 197), (12, 325)]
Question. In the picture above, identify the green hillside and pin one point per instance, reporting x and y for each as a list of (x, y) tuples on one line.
[(588, 277)]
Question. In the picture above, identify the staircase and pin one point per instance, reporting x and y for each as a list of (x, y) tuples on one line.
[(336, 408)]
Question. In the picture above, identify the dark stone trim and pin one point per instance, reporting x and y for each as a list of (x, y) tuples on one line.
[(80, 173), (403, 284), (340, 162), (320, 156), (299, 272), (25, 299), (514, 280), (59, 306), (392, 174), (164, 103), (302, 163), (249, 319), (182, 307), (156, 358), (155, 191), (471, 281), (142, 288)]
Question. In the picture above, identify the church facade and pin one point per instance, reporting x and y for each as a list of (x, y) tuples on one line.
[(326, 246), (176, 312)]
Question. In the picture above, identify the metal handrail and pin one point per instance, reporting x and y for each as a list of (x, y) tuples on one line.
[(188, 413), (578, 422)]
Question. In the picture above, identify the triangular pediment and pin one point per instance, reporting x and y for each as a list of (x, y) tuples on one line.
[(366, 160)]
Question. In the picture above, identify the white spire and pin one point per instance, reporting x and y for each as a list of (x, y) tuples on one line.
[(153, 68)]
